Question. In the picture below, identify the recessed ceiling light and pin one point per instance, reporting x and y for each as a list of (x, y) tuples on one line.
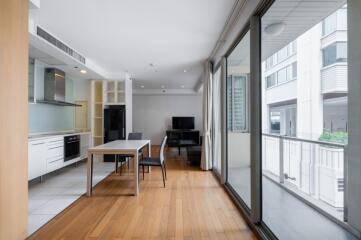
[(162, 86), (275, 29), (83, 71), (141, 86), (182, 86), (185, 70)]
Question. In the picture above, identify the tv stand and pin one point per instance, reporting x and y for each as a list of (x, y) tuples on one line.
[(182, 138)]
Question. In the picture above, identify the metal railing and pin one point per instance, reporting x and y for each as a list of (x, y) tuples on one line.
[(314, 170)]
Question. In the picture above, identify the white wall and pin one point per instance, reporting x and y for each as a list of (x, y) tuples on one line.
[(152, 114)]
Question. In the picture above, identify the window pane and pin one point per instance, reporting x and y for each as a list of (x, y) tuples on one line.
[(239, 103), (229, 103), (329, 24), (275, 121), (238, 137), (271, 80), (341, 49), (336, 52), (294, 70), (303, 172), (282, 76), (282, 54), (329, 55)]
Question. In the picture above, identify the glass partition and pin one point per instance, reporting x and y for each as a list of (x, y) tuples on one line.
[(304, 120), (238, 136)]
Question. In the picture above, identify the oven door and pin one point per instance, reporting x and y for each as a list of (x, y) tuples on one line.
[(71, 147)]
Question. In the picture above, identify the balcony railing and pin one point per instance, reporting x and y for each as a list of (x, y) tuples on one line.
[(313, 170), (334, 79)]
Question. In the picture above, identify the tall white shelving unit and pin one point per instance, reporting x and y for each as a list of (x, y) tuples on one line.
[(114, 92), (97, 112), (109, 92)]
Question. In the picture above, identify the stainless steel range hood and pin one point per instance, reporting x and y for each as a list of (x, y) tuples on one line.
[(54, 88)]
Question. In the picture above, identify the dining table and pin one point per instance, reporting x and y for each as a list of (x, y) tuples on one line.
[(117, 147)]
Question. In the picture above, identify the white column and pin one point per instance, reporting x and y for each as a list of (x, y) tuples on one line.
[(309, 98)]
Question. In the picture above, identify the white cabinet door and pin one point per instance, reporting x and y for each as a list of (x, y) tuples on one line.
[(37, 159), (54, 154), (84, 145)]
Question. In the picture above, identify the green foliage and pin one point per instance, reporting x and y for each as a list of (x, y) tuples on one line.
[(336, 137)]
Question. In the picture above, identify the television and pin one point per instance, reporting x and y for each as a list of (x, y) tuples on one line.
[(183, 123)]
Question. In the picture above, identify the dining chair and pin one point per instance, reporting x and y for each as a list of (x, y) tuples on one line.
[(156, 162), (125, 158)]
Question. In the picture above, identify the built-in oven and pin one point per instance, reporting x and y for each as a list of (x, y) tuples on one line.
[(71, 147)]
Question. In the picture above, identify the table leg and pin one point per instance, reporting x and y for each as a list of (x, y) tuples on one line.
[(89, 174), (136, 174), (149, 155), (116, 163)]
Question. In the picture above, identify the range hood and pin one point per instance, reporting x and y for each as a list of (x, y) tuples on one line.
[(54, 88)]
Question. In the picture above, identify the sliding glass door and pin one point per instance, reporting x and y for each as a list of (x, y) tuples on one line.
[(216, 122), (305, 120), (238, 136)]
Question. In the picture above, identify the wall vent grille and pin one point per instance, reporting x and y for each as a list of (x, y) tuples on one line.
[(57, 43)]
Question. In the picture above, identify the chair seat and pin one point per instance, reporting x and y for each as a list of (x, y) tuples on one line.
[(150, 162)]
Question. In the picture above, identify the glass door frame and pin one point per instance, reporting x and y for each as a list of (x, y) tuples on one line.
[(243, 206), (252, 215)]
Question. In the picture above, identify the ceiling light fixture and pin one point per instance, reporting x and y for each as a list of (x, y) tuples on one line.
[(275, 29), (185, 70), (182, 86), (83, 71), (141, 86)]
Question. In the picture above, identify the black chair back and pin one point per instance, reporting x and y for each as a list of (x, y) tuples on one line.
[(135, 136), (161, 152)]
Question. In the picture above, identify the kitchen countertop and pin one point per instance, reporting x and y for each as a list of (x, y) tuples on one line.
[(37, 136)]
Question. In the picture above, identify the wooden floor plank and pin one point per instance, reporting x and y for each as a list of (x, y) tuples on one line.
[(192, 206)]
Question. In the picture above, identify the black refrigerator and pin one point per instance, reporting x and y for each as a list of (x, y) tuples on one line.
[(114, 126)]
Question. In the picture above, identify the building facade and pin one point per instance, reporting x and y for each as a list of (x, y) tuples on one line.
[(305, 83)]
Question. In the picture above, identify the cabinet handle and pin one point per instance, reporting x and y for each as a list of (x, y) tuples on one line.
[(34, 144), (55, 147)]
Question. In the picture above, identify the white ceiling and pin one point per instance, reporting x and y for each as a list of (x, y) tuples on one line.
[(298, 17), (128, 35)]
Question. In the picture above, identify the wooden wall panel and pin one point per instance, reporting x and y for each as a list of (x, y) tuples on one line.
[(13, 118)]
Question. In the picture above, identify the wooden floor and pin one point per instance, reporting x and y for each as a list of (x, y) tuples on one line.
[(192, 206)]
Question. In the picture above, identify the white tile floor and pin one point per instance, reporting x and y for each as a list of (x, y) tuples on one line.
[(60, 189)]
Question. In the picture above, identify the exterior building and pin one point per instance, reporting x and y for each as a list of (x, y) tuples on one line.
[(305, 97), (305, 83)]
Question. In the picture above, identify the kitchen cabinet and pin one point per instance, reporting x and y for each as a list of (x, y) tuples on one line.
[(47, 154), (55, 154), (37, 159)]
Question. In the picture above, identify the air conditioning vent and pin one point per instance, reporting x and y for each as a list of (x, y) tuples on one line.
[(57, 43)]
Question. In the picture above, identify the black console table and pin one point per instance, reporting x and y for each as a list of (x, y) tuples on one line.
[(182, 138)]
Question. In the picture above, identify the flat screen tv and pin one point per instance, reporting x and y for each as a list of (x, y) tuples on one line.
[(183, 123)]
